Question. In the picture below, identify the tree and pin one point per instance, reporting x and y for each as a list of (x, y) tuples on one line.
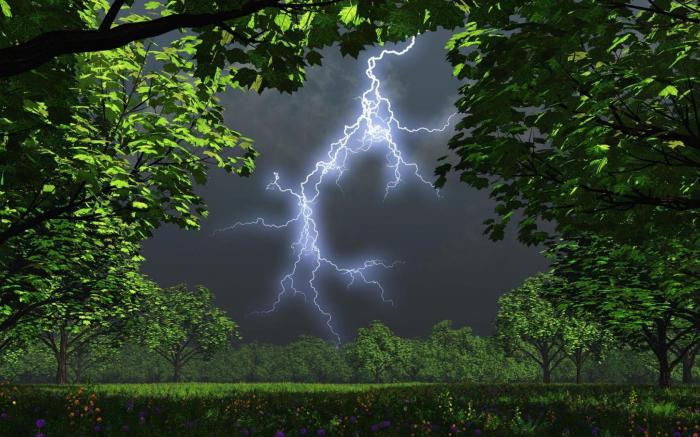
[(645, 294), (290, 31), (456, 355), (583, 113), (584, 338), (180, 324), (105, 294), (375, 352), (528, 324)]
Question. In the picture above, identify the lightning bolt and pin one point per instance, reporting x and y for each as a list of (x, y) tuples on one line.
[(375, 125)]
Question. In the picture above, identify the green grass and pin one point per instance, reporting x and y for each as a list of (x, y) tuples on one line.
[(189, 389), (192, 409)]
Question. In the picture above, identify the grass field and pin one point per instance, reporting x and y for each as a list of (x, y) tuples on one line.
[(348, 410)]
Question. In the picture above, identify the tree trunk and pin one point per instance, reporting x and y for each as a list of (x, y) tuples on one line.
[(78, 368), (664, 367), (664, 377), (546, 375), (62, 357), (177, 368), (546, 366), (688, 361), (578, 372)]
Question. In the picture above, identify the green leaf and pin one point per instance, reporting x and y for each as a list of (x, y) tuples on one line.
[(284, 21), (669, 90), (5, 9), (577, 56), (149, 6), (139, 205), (348, 14)]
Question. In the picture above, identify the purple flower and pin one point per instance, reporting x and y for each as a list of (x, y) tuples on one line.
[(125, 428), (279, 434), (477, 431), (40, 435), (129, 405), (454, 428), (245, 432), (3, 415), (320, 432), (677, 433), (374, 428), (595, 430), (385, 424), (40, 423), (98, 428), (142, 420), (353, 419), (303, 431)]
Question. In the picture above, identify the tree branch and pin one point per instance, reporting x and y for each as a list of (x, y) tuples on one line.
[(31, 54), (111, 14)]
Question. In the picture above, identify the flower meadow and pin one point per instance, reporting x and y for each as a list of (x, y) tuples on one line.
[(283, 410)]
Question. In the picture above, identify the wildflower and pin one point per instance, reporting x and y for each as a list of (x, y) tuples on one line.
[(3, 415), (279, 434), (321, 432), (245, 432), (477, 432), (374, 428), (595, 431), (98, 428), (303, 431), (40, 435), (385, 424), (676, 434), (125, 428), (40, 423), (454, 428), (353, 419)]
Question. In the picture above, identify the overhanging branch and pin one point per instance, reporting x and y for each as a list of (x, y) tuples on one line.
[(33, 53)]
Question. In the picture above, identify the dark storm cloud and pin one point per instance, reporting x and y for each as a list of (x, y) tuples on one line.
[(449, 271)]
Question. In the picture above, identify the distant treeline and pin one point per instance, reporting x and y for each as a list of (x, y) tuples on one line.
[(448, 354)]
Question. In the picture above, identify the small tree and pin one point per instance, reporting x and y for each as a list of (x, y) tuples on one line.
[(583, 339), (180, 324), (375, 352), (532, 326)]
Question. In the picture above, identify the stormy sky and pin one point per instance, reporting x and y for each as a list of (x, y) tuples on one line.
[(449, 269)]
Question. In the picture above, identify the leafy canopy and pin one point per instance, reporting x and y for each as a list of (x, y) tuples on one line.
[(580, 112)]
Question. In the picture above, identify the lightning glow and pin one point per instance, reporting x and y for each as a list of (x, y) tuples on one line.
[(374, 126)]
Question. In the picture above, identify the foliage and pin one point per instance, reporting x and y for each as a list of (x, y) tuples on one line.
[(580, 113), (80, 262), (269, 41), (180, 324), (457, 355), (645, 293), (526, 323), (377, 353)]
